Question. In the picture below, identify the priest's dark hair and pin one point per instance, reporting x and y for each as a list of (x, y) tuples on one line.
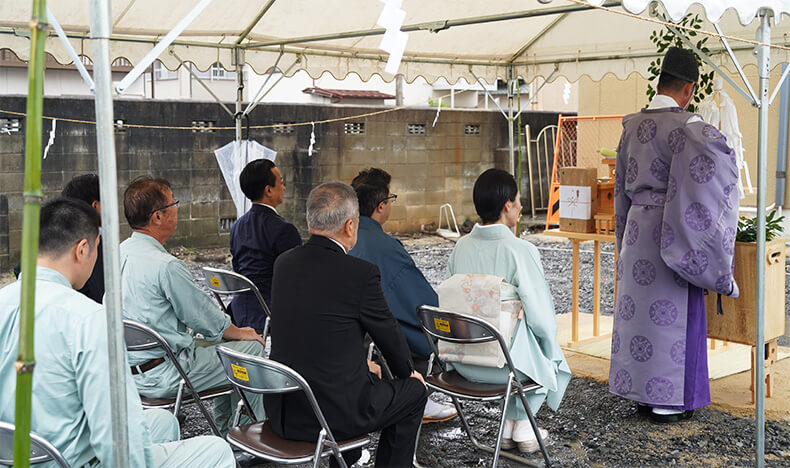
[(83, 187), (372, 186), (668, 83), (255, 177), (64, 222), (493, 188)]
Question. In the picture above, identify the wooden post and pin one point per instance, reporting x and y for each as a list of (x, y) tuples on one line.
[(575, 290), (597, 288)]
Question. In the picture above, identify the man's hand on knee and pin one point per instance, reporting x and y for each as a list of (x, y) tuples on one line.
[(418, 376), (234, 333), (374, 368)]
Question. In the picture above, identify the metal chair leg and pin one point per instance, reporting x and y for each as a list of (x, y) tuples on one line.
[(179, 398), (501, 426), (534, 424), (484, 447)]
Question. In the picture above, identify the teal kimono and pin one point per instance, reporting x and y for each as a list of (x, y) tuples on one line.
[(70, 404), (494, 250), (158, 291)]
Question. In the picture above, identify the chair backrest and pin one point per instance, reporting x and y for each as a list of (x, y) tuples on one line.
[(225, 282), (40, 450), (459, 328), (139, 337), (260, 375)]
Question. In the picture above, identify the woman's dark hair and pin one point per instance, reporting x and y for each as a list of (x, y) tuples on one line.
[(255, 177), (493, 188)]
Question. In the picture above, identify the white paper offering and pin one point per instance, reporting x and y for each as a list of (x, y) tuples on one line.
[(231, 159), (575, 202)]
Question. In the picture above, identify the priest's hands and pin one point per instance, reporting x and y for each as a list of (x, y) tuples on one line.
[(374, 368)]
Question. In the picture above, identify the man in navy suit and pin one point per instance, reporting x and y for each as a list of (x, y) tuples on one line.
[(258, 237)]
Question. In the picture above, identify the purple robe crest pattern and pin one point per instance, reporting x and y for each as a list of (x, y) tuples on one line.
[(674, 226)]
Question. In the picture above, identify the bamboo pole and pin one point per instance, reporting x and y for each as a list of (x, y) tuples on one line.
[(30, 230), (520, 155)]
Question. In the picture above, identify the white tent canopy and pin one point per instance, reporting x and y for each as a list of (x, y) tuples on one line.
[(455, 39), (462, 38)]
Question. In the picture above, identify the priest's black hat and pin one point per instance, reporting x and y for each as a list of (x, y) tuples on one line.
[(681, 64)]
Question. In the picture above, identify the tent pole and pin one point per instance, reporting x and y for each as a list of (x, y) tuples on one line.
[(239, 89), (764, 71), (101, 28), (510, 85), (30, 233)]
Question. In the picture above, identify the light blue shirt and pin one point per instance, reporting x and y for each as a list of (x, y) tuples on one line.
[(71, 383), (159, 291)]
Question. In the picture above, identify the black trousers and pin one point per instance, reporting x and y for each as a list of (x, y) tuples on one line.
[(398, 423)]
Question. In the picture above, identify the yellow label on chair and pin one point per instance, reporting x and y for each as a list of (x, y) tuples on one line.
[(240, 372), (215, 282), (442, 325)]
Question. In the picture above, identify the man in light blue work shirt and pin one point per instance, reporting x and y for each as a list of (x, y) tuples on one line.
[(159, 291), (70, 405)]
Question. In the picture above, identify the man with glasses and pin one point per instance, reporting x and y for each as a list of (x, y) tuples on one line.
[(158, 291), (404, 285), (258, 238)]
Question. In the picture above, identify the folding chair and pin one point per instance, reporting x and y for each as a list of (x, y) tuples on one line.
[(41, 451), (140, 337), (229, 283), (260, 375), (463, 329)]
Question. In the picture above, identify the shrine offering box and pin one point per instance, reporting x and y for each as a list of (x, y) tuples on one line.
[(736, 322), (578, 199)]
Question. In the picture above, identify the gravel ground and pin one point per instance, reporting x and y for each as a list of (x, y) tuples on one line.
[(592, 428)]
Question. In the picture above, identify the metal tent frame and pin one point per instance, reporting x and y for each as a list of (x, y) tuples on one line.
[(101, 36)]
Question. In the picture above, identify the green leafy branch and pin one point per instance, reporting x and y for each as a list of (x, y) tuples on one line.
[(747, 227), (664, 39)]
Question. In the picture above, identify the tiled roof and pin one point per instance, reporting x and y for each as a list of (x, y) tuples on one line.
[(337, 95)]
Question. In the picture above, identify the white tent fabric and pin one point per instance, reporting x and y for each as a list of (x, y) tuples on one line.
[(541, 39)]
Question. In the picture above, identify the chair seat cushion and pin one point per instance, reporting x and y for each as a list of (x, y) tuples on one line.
[(452, 382), (260, 439), (205, 395)]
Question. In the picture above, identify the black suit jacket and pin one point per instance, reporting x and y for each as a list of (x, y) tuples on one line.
[(256, 239), (94, 287), (323, 303)]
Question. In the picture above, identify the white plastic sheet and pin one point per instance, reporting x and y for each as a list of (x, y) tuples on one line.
[(231, 159)]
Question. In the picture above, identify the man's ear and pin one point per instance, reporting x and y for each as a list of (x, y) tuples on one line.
[(380, 207), (81, 250), (349, 227)]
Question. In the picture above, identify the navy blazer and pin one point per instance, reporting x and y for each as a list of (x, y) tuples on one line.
[(404, 285), (256, 240), (323, 304)]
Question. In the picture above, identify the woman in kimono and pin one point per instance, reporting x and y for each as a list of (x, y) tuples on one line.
[(491, 248), (676, 211)]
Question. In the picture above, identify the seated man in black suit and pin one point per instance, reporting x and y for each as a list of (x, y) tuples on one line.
[(258, 237), (323, 303), (85, 187)]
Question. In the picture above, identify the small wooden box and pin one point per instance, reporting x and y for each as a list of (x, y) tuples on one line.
[(580, 186), (604, 224), (737, 322), (606, 197)]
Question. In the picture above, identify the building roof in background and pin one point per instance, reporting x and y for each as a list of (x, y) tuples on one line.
[(337, 95)]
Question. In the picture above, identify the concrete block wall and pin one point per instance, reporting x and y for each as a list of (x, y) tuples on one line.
[(428, 170)]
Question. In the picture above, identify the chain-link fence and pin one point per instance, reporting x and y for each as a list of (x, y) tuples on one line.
[(577, 143)]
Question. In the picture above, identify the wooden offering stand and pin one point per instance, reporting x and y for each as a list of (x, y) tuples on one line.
[(604, 218)]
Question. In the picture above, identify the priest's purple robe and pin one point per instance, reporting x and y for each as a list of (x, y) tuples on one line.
[(676, 210)]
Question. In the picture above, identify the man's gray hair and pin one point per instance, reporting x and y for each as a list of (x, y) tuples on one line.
[(330, 205)]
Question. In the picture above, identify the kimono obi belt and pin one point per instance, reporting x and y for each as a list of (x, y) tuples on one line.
[(649, 198)]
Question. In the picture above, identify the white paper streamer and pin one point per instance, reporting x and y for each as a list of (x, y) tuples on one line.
[(312, 139), (394, 40), (51, 138), (438, 109)]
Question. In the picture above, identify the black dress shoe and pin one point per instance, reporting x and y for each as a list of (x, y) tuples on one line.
[(643, 410), (671, 418)]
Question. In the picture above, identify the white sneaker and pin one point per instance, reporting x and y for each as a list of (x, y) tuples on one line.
[(507, 435), (524, 436), (437, 412)]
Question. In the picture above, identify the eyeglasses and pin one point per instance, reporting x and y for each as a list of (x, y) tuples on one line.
[(392, 196), (163, 208)]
